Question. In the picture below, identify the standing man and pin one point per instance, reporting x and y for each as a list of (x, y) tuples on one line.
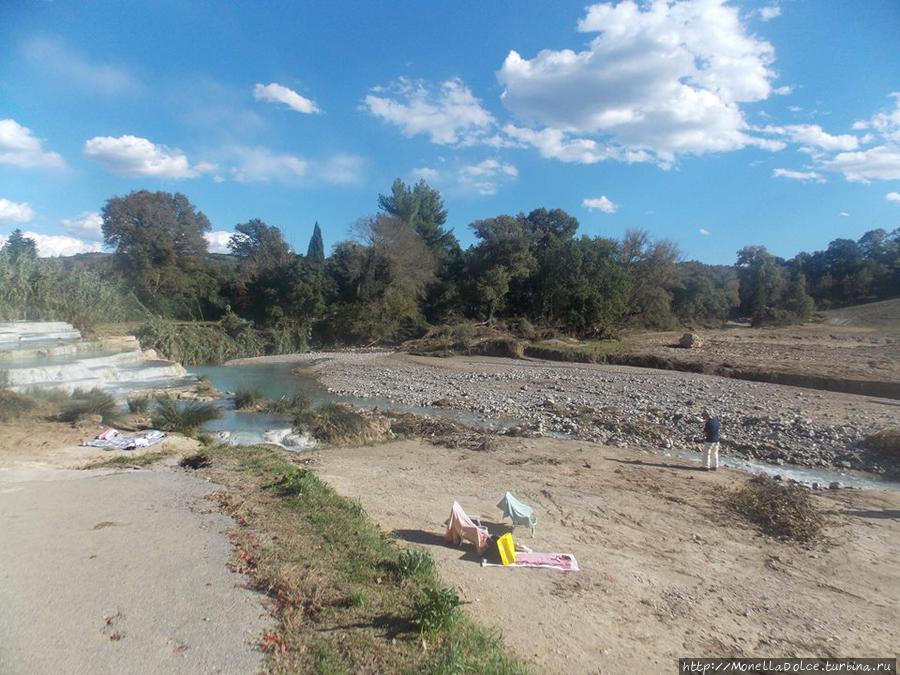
[(711, 430)]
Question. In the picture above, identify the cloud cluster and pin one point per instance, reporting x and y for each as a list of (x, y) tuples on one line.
[(218, 241), (138, 157), (278, 93), (602, 203), (447, 115), (15, 212), (665, 78), (88, 225), (56, 245), (18, 146), (483, 178), (893, 197)]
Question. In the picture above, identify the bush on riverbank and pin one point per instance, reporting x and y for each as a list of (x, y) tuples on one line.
[(203, 343), (778, 509), (339, 424), (94, 402), (185, 419), (13, 405)]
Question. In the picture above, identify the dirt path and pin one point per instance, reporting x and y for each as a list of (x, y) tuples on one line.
[(116, 572), (665, 573)]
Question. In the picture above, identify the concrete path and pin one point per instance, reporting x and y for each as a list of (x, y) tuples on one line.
[(120, 573)]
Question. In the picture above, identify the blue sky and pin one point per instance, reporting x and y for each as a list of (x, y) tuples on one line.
[(715, 124)]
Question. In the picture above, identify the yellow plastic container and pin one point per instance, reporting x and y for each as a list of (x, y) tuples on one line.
[(507, 549)]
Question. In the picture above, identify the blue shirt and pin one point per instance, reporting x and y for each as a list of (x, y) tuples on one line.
[(711, 429)]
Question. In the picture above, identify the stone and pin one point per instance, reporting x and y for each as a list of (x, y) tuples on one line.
[(834, 485), (690, 341)]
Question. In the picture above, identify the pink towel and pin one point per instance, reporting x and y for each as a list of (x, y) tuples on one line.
[(108, 434), (460, 528), (557, 561)]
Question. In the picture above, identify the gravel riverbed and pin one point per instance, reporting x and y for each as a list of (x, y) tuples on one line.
[(625, 406)]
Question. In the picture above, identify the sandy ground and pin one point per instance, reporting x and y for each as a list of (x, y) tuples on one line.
[(665, 571), (115, 571)]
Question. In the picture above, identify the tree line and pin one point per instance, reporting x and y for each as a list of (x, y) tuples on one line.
[(403, 269)]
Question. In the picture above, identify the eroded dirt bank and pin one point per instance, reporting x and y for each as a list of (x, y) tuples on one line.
[(666, 572)]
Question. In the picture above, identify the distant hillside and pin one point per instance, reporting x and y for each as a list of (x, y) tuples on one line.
[(883, 314)]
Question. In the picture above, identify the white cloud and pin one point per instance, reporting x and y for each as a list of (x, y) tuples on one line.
[(600, 203), (814, 135), (664, 78), (784, 90), (426, 173), (450, 115), (19, 146), (55, 245), (878, 163), (218, 241), (138, 157), (486, 177), (15, 212), (844, 214), (704, 232), (803, 176), (89, 224), (770, 12), (886, 124), (341, 169), (893, 197), (68, 66), (278, 93), (261, 165)]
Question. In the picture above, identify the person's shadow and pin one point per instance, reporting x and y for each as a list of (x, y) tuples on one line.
[(660, 465)]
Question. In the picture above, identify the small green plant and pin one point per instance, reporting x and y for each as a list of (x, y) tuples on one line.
[(289, 406), (186, 419), (138, 405), (414, 562), (247, 399), (13, 405), (49, 395), (436, 609), (94, 402), (294, 482)]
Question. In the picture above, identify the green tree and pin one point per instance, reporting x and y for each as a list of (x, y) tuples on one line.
[(422, 208), (160, 249), (260, 247), (19, 247), (316, 250)]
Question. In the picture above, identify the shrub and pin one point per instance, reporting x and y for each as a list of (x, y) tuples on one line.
[(247, 399), (436, 609), (785, 511), (414, 562), (198, 460), (138, 405), (94, 402), (289, 406), (13, 405), (335, 423), (186, 419)]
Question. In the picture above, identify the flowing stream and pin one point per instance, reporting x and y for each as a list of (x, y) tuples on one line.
[(275, 380)]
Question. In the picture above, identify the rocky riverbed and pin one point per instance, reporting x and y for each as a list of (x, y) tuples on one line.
[(627, 406)]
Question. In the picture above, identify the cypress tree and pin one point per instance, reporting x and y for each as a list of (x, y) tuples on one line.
[(316, 249)]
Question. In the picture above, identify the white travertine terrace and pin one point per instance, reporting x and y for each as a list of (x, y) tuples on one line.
[(52, 355)]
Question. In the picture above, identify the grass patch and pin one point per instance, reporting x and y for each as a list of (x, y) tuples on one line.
[(342, 605), (93, 402), (248, 399), (185, 419), (14, 405), (781, 510), (415, 562), (145, 459), (339, 424), (289, 406), (139, 405), (597, 351)]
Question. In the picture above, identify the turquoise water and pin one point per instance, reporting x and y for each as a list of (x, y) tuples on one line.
[(274, 380)]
